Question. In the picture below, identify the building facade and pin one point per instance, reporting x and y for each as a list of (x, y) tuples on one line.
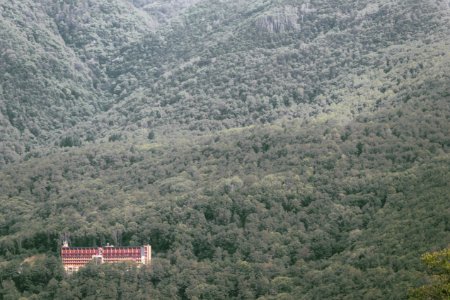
[(74, 258)]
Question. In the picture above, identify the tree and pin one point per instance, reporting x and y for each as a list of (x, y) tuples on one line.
[(70, 141), (9, 290), (438, 264), (151, 135)]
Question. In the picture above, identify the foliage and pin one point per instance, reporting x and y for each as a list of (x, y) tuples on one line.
[(291, 209), (265, 149), (438, 264), (107, 66)]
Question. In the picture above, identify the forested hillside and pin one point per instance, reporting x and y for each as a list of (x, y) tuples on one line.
[(265, 149)]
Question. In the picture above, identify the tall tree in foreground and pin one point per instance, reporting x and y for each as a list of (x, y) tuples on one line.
[(438, 264)]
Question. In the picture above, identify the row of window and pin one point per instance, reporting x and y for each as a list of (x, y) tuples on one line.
[(104, 258), (108, 255)]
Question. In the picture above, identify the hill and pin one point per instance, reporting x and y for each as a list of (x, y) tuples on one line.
[(211, 65), (265, 149)]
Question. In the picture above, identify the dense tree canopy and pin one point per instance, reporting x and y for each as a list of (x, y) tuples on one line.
[(265, 149)]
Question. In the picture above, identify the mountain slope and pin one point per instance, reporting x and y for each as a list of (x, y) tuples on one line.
[(44, 85), (211, 65), (225, 65), (265, 149), (53, 67), (323, 207)]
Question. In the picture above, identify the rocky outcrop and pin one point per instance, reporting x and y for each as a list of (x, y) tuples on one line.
[(283, 19)]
